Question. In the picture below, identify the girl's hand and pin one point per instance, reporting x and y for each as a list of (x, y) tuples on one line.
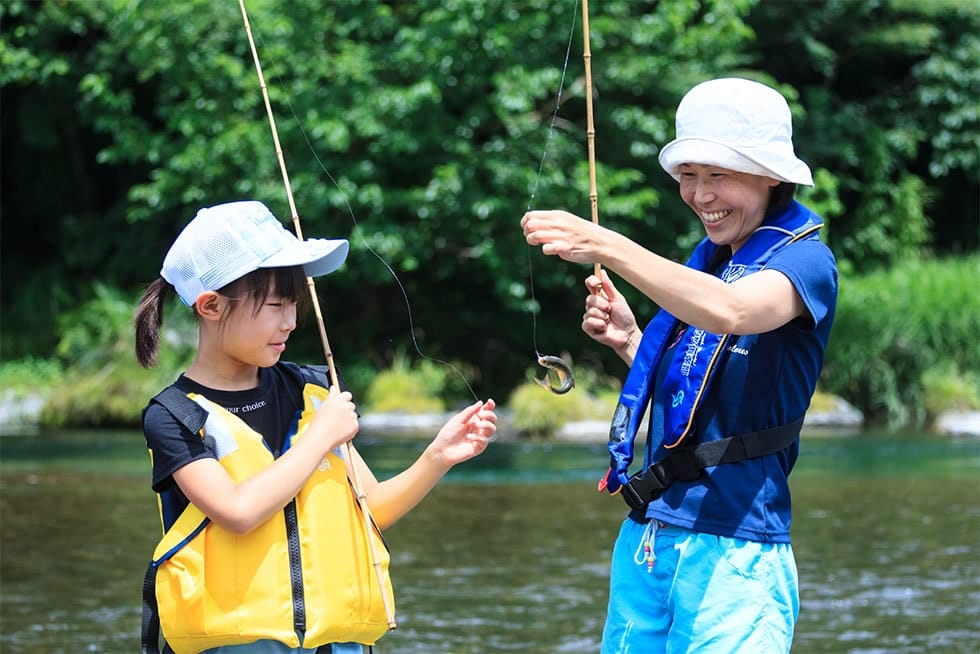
[(336, 420), (466, 434), (608, 318)]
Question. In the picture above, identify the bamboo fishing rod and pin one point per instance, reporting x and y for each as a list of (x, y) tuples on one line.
[(328, 353), (556, 365), (590, 126)]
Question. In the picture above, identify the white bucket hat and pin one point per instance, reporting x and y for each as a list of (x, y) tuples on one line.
[(228, 241), (739, 125)]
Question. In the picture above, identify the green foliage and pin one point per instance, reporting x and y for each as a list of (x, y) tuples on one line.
[(540, 413), (822, 402), (890, 90), (101, 332), (423, 130), (111, 396), (103, 386), (406, 388), (433, 119), (947, 388), (29, 375), (892, 327)]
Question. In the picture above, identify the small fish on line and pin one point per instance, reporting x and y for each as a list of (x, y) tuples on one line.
[(558, 377)]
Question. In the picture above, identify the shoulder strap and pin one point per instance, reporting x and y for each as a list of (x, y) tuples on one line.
[(187, 412), (687, 463), (314, 374), (305, 373)]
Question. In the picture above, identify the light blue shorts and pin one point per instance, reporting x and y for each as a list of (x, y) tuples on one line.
[(695, 592), (275, 647)]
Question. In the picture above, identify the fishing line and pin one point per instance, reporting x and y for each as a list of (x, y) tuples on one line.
[(552, 362), (549, 361), (364, 242), (394, 275)]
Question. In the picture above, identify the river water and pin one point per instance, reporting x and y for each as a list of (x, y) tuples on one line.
[(511, 552)]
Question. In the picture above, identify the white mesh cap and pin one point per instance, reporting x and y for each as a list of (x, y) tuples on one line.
[(736, 124), (228, 241)]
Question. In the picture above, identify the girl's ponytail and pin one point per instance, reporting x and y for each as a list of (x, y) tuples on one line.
[(148, 320)]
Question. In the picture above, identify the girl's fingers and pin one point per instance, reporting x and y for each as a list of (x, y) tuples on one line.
[(475, 411)]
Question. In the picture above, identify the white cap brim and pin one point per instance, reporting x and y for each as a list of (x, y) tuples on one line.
[(744, 159), (318, 256)]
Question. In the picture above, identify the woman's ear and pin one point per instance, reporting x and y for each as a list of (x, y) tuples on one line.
[(210, 305)]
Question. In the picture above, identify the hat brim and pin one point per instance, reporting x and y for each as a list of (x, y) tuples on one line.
[(318, 256), (745, 159)]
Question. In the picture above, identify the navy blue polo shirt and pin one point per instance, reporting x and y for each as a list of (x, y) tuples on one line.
[(767, 380)]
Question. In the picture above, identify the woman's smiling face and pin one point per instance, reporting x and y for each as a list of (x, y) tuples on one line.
[(730, 204)]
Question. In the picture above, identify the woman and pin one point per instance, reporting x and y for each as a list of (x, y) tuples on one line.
[(728, 366)]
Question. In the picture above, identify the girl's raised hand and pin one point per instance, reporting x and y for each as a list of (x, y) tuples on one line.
[(466, 434)]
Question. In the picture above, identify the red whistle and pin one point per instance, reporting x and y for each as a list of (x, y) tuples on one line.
[(604, 482)]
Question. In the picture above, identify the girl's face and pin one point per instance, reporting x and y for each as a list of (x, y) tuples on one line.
[(257, 335), (730, 204)]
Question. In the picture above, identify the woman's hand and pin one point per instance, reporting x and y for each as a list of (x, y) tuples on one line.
[(564, 234), (608, 318), (465, 435)]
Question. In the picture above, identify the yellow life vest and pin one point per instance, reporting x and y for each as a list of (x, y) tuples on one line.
[(304, 577)]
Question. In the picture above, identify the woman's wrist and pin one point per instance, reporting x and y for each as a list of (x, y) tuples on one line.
[(627, 350)]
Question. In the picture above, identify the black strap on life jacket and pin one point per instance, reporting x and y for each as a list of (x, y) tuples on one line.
[(687, 463), (150, 631), (192, 416)]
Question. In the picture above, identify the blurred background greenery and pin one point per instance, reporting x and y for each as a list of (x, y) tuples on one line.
[(417, 130)]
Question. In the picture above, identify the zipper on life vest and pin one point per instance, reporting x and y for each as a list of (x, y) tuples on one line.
[(295, 569)]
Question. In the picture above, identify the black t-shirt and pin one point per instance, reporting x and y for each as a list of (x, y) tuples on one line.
[(269, 409)]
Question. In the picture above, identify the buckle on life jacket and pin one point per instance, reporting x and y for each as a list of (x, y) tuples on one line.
[(647, 485)]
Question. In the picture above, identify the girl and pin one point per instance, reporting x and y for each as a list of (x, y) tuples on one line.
[(703, 561), (264, 546)]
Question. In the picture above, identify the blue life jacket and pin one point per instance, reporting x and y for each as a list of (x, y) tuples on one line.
[(699, 354)]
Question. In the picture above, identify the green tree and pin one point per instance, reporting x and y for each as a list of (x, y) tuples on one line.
[(891, 89), (432, 117), (419, 129)]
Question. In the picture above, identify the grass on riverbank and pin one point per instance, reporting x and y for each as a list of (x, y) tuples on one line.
[(904, 343)]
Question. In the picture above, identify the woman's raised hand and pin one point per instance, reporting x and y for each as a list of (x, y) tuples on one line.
[(563, 234)]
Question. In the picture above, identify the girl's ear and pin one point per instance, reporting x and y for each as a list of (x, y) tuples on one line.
[(210, 305)]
